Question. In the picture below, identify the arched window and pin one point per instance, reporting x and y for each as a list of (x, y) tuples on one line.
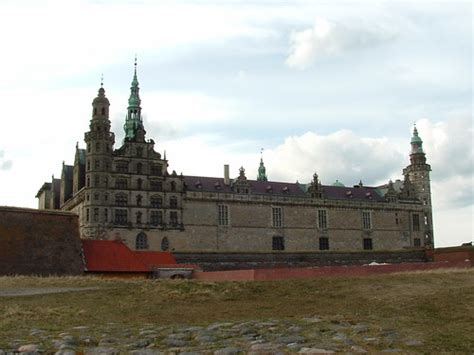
[(139, 200), (103, 110), (141, 241), (165, 244)]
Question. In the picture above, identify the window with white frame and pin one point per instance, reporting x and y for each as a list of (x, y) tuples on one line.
[(322, 219), (223, 215), (277, 217), (366, 220)]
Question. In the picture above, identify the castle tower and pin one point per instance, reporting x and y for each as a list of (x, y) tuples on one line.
[(134, 130), (98, 159), (418, 176)]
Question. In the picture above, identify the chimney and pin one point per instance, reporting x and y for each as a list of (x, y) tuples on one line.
[(226, 175)]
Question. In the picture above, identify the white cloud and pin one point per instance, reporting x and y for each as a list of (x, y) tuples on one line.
[(4, 163), (341, 155), (328, 38)]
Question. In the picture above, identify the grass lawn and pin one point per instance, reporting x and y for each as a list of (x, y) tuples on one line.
[(436, 307)]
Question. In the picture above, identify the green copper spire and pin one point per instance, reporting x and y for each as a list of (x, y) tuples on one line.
[(416, 142), (262, 176), (133, 122)]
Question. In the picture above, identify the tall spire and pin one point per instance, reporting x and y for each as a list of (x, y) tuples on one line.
[(133, 127)]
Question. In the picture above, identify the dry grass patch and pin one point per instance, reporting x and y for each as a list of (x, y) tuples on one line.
[(435, 307)]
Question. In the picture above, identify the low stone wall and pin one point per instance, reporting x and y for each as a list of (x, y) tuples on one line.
[(34, 242), (325, 271), (245, 261)]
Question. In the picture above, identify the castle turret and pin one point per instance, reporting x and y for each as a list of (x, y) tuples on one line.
[(98, 157), (418, 176)]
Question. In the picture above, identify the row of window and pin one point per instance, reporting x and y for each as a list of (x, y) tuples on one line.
[(124, 167), (141, 242), (121, 217), (121, 199), (123, 183), (278, 243), (277, 220)]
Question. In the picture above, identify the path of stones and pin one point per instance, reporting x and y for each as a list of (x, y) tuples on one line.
[(312, 335)]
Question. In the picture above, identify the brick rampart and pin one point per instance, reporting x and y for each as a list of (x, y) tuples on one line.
[(242, 261), (34, 242)]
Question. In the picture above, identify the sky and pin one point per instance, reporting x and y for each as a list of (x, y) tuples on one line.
[(329, 87)]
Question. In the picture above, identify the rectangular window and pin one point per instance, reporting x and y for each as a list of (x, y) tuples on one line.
[(106, 215), (121, 216), (156, 185), (97, 164), (96, 214), (278, 243), (87, 214), (223, 215), (416, 221), (121, 167), (156, 169), (156, 218), (173, 218), (322, 219), (276, 217), (121, 183), (367, 244), (366, 220), (121, 199), (417, 242), (173, 202), (323, 243)]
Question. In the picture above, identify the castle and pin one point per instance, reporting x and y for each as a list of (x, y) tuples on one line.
[(129, 194)]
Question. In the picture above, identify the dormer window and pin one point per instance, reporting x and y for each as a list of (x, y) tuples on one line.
[(285, 189), (369, 195), (349, 194), (269, 188), (217, 186), (198, 184)]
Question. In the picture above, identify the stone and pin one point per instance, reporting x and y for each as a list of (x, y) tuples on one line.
[(358, 349), (80, 327), (360, 328), (414, 342), (205, 339), (146, 352), (177, 343), (215, 326), (315, 351), (228, 351), (150, 333), (291, 339), (142, 343), (65, 352), (29, 348), (312, 320), (101, 351)]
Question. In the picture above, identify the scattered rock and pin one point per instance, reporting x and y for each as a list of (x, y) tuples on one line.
[(291, 339), (29, 348), (358, 349), (101, 351), (315, 351), (360, 328), (228, 351)]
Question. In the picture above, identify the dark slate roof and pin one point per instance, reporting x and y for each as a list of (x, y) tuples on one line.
[(212, 184), (352, 193)]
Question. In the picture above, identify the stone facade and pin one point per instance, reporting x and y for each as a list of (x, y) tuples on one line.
[(129, 194)]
